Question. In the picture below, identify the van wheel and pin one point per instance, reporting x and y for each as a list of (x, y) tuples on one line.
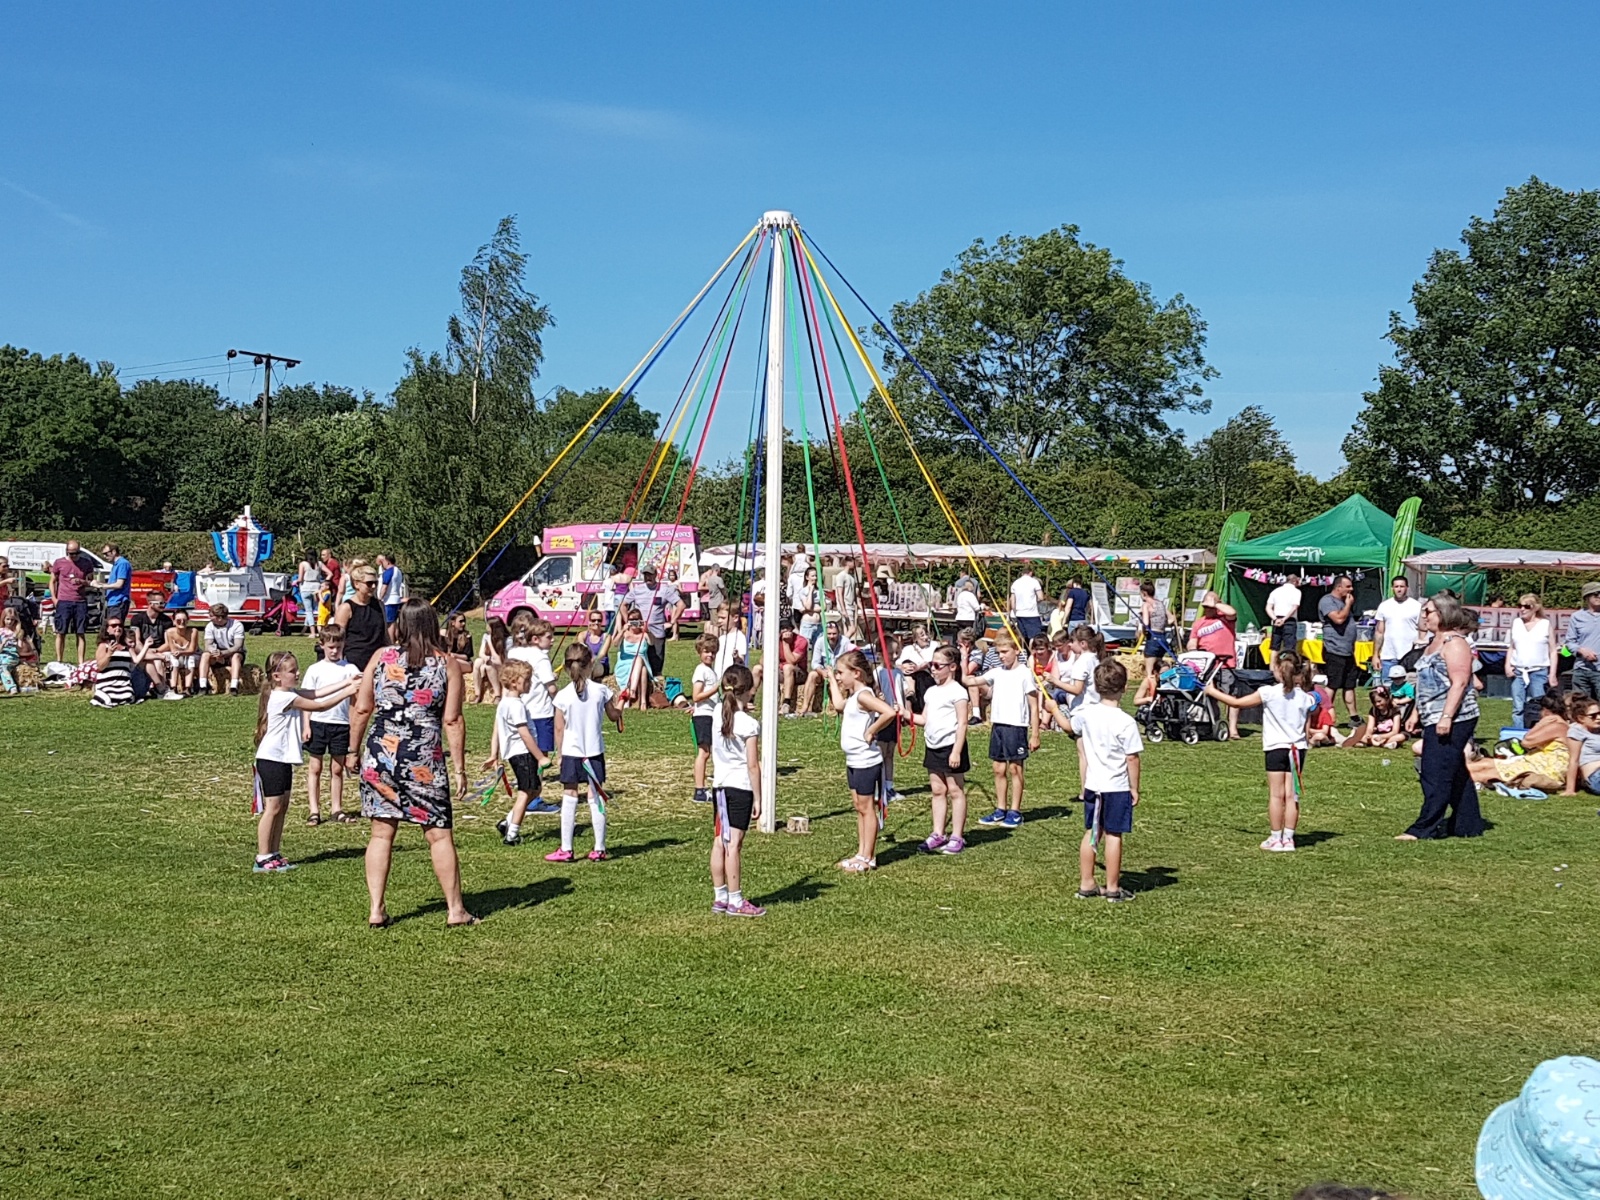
[(518, 614)]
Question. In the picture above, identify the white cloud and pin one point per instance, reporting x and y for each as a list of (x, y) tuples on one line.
[(51, 207)]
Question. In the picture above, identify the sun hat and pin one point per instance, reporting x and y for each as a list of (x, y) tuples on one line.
[(1590, 589), (1545, 1144), (1397, 672)]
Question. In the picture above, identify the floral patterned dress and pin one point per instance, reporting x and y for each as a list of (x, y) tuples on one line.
[(403, 772)]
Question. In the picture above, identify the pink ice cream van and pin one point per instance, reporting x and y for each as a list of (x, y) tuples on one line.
[(577, 561)]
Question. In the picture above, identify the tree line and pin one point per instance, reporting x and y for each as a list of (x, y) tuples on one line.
[(1073, 372)]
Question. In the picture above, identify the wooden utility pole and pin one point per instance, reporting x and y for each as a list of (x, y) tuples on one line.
[(265, 361)]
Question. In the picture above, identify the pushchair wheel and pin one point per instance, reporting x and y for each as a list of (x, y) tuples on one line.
[(1222, 733), (1154, 732), (1191, 735)]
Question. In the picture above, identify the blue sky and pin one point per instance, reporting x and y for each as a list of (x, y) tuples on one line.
[(309, 179)]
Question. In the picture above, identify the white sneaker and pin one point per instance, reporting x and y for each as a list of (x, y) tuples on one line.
[(173, 694), (1272, 843), (1284, 844)]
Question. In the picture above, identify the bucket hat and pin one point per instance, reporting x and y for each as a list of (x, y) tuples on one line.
[(1545, 1144)]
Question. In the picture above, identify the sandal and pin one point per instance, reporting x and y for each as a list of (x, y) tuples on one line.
[(1089, 893), (383, 924), (344, 818), (471, 920), (314, 819), (856, 864)]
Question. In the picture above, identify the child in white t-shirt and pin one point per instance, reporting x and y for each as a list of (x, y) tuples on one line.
[(703, 706), (531, 644), (1014, 734), (581, 708), (278, 749), (945, 708), (1286, 710), (514, 744), (1109, 747), (862, 714), (327, 731), (736, 779)]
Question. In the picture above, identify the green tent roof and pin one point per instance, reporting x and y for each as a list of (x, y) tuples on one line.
[(1355, 533)]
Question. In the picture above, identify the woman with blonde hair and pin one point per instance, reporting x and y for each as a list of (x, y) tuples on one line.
[(1531, 660)]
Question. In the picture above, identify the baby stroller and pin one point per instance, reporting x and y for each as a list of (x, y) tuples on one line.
[(1181, 708)]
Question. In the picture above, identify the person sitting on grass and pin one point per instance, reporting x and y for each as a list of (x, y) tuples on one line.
[(1109, 749), (492, 648), (1548, 763), (224, 643), (182, 649), (1324, 728), (1383, 726), (514, 744)]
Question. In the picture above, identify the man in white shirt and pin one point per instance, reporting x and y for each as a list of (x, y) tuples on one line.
[(1396, 634), (1283, 610), (1024, 604)]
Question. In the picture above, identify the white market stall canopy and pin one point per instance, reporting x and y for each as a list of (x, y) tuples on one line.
[(744, 557), (1506, 560)]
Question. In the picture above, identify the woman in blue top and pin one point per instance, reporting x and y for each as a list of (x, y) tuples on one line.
[(1447, 709)]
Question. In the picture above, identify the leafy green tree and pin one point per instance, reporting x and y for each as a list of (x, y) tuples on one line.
[(459, 447), (1494, 401), (1224, 463), (1051, 351)]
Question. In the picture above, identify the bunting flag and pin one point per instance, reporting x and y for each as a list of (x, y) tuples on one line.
[(1257, 575)]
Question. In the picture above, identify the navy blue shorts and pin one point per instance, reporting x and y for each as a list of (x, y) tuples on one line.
[(328, 737), (1156, 647), (1116, 811), (72, 616), (390, 612), (544, 733), (573, 771), (864, 781), (1008, 743), (936, 760), (702, 731), (525, 772)]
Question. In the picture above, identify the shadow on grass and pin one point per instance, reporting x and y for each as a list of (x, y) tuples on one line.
[(1149, 879), (483, 904), (806, 888), (1310, 837), (1047, 812), (646, 847), (322, 856)]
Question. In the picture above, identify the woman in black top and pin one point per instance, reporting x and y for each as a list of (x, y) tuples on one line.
[(365, 631)]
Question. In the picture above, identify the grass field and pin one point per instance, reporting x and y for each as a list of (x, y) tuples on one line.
[(174, 1025)]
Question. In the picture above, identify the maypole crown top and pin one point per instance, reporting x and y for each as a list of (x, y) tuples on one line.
[(777, 218)]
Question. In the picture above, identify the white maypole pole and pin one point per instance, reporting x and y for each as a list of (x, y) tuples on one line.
[(776, 224)]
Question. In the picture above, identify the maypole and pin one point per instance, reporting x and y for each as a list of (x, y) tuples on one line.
[(778, 224)]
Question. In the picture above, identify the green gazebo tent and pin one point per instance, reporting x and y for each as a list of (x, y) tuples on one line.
[(1354, 536)]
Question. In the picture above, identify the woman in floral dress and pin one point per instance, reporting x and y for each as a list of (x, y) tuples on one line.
[(411, 698)]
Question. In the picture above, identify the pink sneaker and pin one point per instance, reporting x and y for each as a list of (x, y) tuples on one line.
[(719, 907), (746, 909), (559, 856), (1284, 844), (598, 856)]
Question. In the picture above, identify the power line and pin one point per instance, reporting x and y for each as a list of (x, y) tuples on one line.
[(171, 362)]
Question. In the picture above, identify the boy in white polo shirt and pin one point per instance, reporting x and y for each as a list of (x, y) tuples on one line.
[(533, 647), (1110, 746), (1014, 711)]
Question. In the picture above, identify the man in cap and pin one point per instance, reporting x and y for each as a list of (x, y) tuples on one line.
[(1583, 640), (653, 598)]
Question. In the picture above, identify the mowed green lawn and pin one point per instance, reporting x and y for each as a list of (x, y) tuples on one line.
[(175, 1025)]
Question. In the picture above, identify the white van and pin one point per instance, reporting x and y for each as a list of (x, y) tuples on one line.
[(37, 556)]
